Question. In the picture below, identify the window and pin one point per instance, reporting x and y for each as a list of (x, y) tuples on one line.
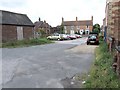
[(87, 26), (72, 27), (65, 27), (65, 31), (78, 27)]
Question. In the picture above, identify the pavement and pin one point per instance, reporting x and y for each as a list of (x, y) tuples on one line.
[(46, 66)]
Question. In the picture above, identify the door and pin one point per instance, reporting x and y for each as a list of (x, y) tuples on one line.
[(72, 32), (19, 33)]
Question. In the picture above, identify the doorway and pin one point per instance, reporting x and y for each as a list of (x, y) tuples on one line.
[(19, 33)]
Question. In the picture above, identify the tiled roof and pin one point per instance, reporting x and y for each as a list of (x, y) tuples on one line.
[(41, 24), (11, 18), (78, 23)]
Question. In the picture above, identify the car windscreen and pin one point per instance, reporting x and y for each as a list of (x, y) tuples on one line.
[(93, 37)]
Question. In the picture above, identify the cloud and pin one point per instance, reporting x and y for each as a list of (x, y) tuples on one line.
[(12, 4), (53, 10)]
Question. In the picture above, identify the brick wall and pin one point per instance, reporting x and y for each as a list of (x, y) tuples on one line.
[(28, 32), (68, 28), (116, 29), (116, 23), (9, 33)]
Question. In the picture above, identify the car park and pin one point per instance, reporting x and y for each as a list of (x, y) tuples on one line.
[(93, 39)]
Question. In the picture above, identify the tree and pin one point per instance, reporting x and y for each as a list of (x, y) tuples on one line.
[(41, 32), (96, 28)]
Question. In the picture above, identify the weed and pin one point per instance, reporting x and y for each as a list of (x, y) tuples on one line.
[(101, 74), (22, 43)]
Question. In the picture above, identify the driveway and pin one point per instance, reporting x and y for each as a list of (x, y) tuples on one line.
[(46, 66)]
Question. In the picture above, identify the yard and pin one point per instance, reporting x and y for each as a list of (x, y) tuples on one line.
[(46, 66)]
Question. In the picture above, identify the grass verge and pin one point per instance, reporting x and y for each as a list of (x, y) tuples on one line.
[(23, 43), (101, 74)]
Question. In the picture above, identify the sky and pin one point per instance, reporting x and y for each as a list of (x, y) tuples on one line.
[(53, 10)]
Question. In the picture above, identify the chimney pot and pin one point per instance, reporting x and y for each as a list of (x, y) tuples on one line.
[(76, 18)]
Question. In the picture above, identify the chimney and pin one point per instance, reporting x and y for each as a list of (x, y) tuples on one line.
[(39, 19), (44, 21), (76, 18), (92, 18), (62, 20)]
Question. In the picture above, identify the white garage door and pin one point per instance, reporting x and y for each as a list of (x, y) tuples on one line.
[(19, 33)]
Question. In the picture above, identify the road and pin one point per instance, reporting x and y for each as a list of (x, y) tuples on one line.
[(45, 66)]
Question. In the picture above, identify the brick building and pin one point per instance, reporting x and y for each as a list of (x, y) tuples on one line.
[(15, 26), (55, 29), (113, 29), (80, 26), (41, 26)]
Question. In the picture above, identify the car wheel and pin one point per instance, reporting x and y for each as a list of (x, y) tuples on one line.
[(87, 43), (58, 39), (48, 38)]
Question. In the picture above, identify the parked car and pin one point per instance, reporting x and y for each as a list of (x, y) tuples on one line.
[(93, 39), (72, 36), (65, 36), (55, 37), (78, 36)]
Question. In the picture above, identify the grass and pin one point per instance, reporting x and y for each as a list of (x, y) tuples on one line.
[(101, 74), (23, 43)]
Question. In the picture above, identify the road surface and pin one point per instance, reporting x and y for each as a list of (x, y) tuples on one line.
[(46, 66)]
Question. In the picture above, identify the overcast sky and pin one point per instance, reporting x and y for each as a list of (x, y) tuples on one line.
[(53, 10)]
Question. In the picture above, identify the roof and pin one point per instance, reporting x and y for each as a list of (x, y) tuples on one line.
[(41, 24), (76, 23), (11, 18)]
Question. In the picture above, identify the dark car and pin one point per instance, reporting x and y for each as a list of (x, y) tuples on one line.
[(92, 39)]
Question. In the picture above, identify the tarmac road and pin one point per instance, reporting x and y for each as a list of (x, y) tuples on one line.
[(45, 66)]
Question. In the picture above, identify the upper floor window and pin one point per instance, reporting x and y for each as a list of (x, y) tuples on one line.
[(72, 27), (87, 26)]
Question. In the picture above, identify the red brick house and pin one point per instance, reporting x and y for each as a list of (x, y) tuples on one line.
[(55, 29), (15, 26), (41, 26), (81, 26)]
